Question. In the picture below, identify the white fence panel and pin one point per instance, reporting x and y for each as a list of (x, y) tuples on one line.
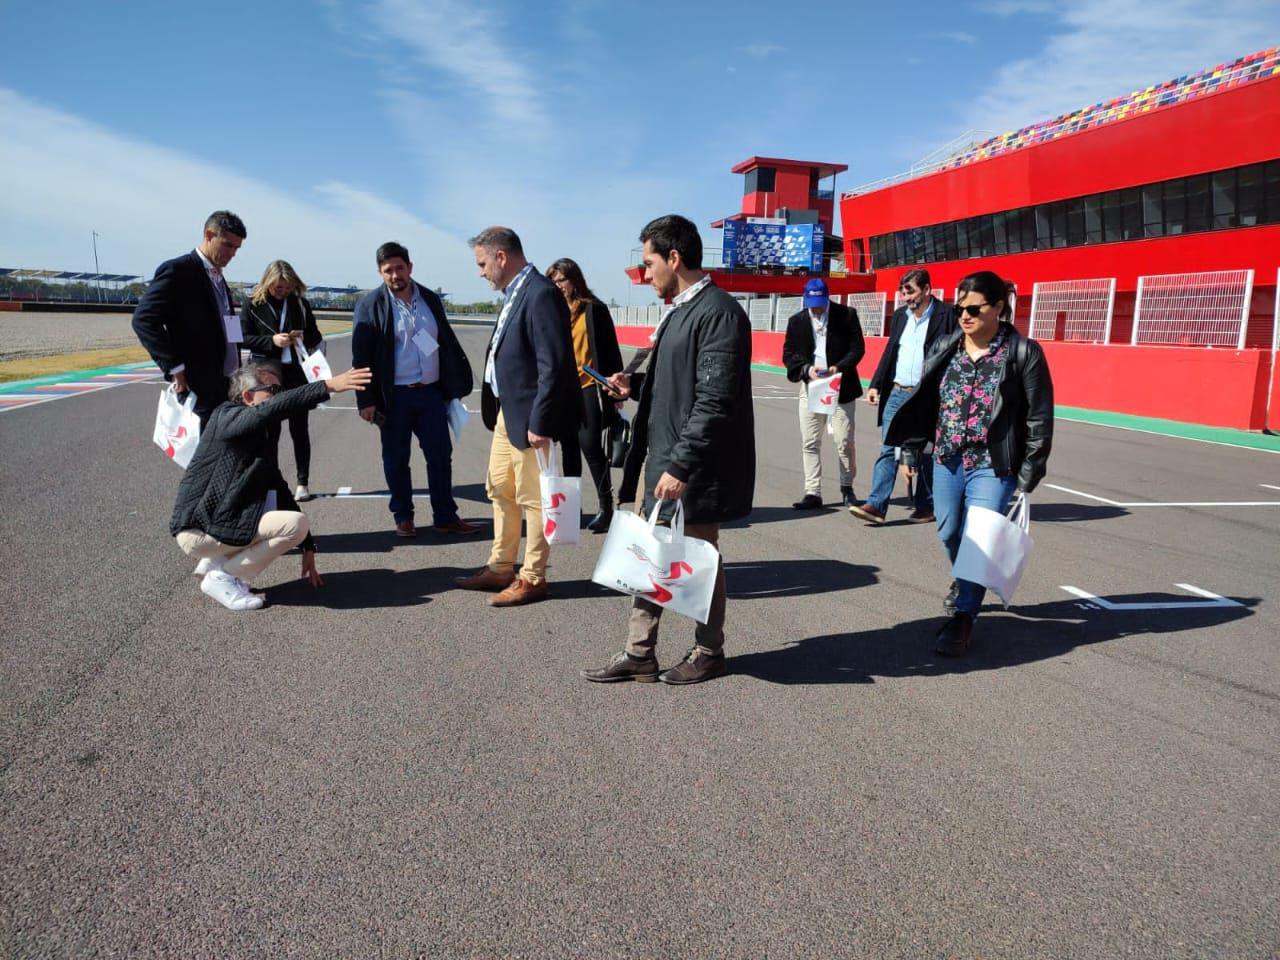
[(785, 308), (1205, 309), (652, 315), (870, 307), (1084, 306), (760, 313)]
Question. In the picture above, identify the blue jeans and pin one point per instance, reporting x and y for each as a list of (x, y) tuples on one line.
[(885, 472), (420, 412), (955, 490)]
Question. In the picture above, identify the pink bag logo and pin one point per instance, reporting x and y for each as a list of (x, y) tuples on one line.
[(315, 371), (169, 450), (834, 386), (660, 594), (556, 500)]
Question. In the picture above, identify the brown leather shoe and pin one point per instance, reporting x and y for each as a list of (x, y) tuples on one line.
[(519, 593), (458, 526), (485, 579), (405, 528), (921, 516), (867, 512)]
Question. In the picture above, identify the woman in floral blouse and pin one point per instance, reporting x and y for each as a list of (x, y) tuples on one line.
[(985, 402)]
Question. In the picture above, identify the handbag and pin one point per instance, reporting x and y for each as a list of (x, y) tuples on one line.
[(619, 437), (561, 499), (660, 564), (994, 549), (177, 429)]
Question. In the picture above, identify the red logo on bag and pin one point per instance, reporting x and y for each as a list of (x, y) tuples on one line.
[(549, 528), (169, 451), (659, 594), (835, 381), (556, 500), (827, 400), (315, 371)]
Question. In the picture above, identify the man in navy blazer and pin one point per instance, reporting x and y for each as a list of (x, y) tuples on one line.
[(182, 319), (530, 398), (400, 332)]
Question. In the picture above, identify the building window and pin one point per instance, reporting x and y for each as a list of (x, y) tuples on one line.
[(759, 180), (1224, 200)]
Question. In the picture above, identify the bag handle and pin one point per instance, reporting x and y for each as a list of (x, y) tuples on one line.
[(547, 463), (1020, 514), (677, 517), (188, 404)]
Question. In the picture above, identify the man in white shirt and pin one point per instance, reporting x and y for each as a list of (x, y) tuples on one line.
[(187, 319), (824, 340)]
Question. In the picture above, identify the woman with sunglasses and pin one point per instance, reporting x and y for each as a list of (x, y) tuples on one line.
[(595, 345), (985, 402), (275, 323)]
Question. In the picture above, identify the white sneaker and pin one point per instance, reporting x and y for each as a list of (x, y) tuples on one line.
[(207, 564), (227, 590), (302, 493)]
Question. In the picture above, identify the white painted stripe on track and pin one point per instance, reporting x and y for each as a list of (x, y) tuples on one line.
[(1173, 503)]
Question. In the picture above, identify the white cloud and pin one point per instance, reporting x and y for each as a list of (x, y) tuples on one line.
[(958, 36), (762, 50), (67, 176), (1105, 48), (461, 40)]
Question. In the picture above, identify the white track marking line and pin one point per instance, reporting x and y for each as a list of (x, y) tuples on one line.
[(1269, 486), (1087, 496), (1170, 436), (1179, 503), (1211, 601)]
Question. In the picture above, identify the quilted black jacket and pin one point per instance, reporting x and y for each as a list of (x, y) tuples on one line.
[(225, 487)]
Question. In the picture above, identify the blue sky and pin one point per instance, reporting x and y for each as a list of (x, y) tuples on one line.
[(333, 125)]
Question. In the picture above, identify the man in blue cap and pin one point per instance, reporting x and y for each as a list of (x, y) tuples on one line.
[(823, 340)]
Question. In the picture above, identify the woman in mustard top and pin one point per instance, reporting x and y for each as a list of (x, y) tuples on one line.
[(595, 344)]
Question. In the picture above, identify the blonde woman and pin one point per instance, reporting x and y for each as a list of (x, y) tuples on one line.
[(277, 320)]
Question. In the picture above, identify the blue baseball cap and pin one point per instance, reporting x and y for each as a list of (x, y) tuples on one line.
[(815, 293)]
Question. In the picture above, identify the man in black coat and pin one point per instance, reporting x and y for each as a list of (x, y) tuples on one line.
[(916, 327), (186, 319), (234, 511), (401, 333), (694, 433), (825, 340), (529, 399)]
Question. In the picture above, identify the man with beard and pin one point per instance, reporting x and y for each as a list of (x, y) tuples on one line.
[(694, 433), (400, 332)]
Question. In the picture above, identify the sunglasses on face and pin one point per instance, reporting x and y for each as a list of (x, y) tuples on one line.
[(973, 309), (271, 388)]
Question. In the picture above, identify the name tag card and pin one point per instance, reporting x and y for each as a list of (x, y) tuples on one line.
[(426, 343), (232, 325)]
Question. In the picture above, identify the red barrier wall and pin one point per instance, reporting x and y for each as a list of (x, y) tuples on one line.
[(1220, 388)]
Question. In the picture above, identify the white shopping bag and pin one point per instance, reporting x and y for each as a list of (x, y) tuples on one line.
[(561, 499), (314, 365), (994, 549), (824, 394), (458, 416), (637, 560), (177, 430)]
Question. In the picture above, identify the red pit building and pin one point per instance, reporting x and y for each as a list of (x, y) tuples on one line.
[(1122, 208)]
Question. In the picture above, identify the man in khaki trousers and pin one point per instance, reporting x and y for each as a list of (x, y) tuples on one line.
[(825, 340), (530, 398)]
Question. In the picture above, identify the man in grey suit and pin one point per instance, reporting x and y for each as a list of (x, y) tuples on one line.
[(530, 398)]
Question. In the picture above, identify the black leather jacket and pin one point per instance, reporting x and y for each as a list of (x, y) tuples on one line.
[(1021, 432)]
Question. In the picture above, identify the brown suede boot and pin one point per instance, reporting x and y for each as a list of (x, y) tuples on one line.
[(485, 579)]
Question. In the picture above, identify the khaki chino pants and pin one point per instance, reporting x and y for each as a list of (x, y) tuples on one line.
[(513, 487), (812, 427), (279, 531)]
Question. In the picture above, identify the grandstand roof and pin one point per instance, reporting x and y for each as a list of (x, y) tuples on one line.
[(1251, 68)]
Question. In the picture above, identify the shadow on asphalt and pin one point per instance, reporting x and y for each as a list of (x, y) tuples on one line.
[(1000, 640), (463, 491), (795, 578), (385, 540), (1073, 512), (368, 589)]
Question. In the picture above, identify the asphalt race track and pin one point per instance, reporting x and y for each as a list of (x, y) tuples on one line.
[(390, 768)]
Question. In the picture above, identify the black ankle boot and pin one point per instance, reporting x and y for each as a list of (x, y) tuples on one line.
[(601, 521)]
